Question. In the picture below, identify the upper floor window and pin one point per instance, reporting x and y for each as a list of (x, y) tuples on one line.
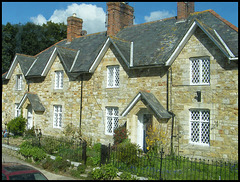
[(199, 126), (200, 71), (57, 116), (113, 76), (111, 119), (19, 82), (58, 79)]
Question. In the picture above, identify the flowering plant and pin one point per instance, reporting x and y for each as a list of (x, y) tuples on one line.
[(120, 134), (155, 137)]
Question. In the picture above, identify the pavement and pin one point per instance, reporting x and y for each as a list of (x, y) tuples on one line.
[(6, 157)]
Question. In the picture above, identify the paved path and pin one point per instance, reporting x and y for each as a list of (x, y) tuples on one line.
[(51, 176)]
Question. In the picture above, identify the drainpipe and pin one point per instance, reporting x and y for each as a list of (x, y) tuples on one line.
[(170, 112), (81, 103)]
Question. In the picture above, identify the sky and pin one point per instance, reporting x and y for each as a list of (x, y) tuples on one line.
[(94, 13)]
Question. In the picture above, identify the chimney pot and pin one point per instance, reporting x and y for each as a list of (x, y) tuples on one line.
[(120, 14), (74, 27), (184, 9)]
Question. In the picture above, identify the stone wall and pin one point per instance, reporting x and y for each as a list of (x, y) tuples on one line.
[(220, 97)]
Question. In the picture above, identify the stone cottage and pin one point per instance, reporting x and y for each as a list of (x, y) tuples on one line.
[(178, 74)]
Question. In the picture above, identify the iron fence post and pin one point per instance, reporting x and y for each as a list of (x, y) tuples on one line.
[(84, 150), (8, 136), (161, 164)]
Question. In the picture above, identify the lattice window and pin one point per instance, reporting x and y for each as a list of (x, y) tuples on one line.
[(111, 119), (200, 71), (58, 79), (57, 116), (19, 80), (200, 126), (113, 76)]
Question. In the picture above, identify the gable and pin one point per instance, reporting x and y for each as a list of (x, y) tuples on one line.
[(24, 61), (34, 101), (151, 102), (223, 48)]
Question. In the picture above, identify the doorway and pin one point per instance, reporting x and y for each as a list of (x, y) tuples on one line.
[(29, 117), (144, 121)]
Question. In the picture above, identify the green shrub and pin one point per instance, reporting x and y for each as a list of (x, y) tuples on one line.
[(61, 164), (50, 144), (27, 150), (30, 132), (94, 154), (127, 152), (120, 134), (81, 168), (127, 176), (17, 125), (106, 172), (48, 163)]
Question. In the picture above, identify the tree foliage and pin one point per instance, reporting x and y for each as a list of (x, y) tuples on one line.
[(29, 39), (17, 125)]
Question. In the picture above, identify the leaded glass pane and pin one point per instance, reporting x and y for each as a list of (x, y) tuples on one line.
[(110, 76), (116, 76), (111, 119), (200, 132), (195, 131), (195, 71), (205, 132), (205, 71)]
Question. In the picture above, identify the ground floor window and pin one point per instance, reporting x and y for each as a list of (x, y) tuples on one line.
[(200, 126), (57, 116), (111, 119)]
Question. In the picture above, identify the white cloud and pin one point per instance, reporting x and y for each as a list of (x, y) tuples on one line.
[(39, 20), (158, 15), (93, 17)]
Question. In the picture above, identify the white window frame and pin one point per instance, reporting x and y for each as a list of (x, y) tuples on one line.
[(58, 80), (200, 74), (17, 111), (111, 116), (114, 77), (200, 121), (57, 116), (19, 82)]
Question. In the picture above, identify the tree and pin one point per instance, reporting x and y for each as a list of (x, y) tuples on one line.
[(29, 39), (8, 45)]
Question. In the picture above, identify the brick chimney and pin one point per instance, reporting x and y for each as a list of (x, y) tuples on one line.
[(184, 9), (120, 14), (74, 27)]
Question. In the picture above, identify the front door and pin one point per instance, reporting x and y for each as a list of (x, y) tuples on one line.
[(29, 117), (144, 120)]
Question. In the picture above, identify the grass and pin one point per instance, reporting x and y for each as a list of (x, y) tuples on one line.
[(180, 168), (172, 167)]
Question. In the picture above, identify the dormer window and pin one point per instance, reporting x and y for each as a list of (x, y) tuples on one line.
[(58, 79), (19, 82), (113, 76), (200, 71)]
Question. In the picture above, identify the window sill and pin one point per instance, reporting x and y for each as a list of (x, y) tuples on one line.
[(57, 127), (112, 87), (109, 134), (192, 144)]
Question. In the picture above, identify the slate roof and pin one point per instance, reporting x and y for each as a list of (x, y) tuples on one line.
[(34, 100), (150, 101), (153, 43)]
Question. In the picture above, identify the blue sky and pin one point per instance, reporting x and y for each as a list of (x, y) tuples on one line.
[(94, 13)]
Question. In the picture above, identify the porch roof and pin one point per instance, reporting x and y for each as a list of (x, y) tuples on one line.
[(34, 100), (151, 102)]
